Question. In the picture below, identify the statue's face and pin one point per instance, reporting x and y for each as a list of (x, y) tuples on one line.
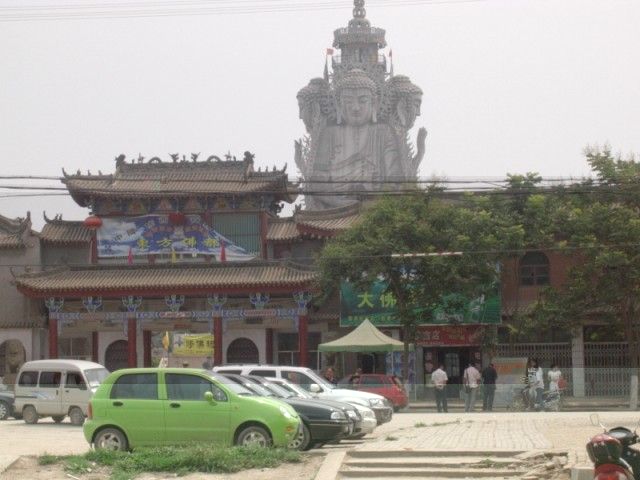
[(357, 106), (409, 109)]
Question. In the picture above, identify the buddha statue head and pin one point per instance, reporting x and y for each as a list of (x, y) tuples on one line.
[(310, 101), (357, 97), (408, 99)]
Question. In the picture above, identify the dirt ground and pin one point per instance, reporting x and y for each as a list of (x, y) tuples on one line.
[(27, 468)]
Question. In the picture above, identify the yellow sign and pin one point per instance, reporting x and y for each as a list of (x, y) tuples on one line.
[(188, 345)]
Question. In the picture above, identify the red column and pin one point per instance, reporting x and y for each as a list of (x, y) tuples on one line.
[(146, 341), (269, 345), (94, 347), (303, 332), (217, 340), (131, 343), (93, 256), (53, 338)]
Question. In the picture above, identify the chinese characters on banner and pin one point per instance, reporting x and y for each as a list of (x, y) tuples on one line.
[(450, 335), (155, 234), (378, 304)]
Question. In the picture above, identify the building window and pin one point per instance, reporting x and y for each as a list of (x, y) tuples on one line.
[(288, 349), (534, 269), (74, 348)]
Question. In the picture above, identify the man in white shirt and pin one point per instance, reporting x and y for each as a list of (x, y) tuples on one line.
[(471, 381), (440, 379)]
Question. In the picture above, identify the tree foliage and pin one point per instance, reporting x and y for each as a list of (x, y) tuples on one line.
[(420, 223)]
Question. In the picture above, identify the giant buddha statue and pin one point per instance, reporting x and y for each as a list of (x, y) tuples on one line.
[(357, 120)]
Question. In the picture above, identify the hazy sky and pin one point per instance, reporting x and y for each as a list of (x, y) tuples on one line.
[(510, 85)]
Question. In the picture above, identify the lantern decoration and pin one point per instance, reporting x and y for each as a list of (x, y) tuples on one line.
[(177, 218), (93, 222)]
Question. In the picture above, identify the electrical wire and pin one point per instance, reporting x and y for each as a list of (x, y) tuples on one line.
[(173, 9)]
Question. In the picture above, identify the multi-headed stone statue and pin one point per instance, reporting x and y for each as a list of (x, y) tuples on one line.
[(357, 122)]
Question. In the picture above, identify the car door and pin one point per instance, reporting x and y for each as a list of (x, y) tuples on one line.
[(134, 405), (48, 396), (74, 392), (189, 416)]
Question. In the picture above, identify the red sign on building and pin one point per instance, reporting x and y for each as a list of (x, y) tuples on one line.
[(459, 335)]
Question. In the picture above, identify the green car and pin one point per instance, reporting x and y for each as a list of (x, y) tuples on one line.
[(156, 406)]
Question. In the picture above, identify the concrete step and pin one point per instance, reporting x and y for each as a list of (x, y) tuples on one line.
[(433, 453), (459, 473), (433, 462)]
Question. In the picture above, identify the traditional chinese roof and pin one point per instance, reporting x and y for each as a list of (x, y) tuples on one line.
[(156, 178), (317, 224), (12, 231), (63, 232), (111, 281)]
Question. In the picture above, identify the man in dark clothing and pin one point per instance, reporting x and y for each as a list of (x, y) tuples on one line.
[(489, 377)]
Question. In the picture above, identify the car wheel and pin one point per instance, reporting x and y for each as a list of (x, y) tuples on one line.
[(4, 410), (30, 415), (254, 436), (76, 416), (110, 439), (302, 441), (57, 418)]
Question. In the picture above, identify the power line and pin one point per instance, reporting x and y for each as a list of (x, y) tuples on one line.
[(188, 8)]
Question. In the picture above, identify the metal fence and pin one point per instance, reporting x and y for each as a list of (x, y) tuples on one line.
[(607, 371)]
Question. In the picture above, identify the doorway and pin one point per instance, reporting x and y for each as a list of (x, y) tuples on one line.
[(242, 350), (455, 361), (116, 356)]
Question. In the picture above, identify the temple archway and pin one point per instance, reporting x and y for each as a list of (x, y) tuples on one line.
[(242, 350), (116, 356)]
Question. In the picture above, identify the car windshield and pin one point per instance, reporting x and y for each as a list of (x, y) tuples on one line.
[(95, 376), (294, 389), (231, 385), (319, 380), (278, 390), (259, 389)]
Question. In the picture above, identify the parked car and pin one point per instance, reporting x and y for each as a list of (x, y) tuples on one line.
[(155, 406), (317, 386), (389, 386), (365, 417), (321, 423), (57, 388), (7, 399)]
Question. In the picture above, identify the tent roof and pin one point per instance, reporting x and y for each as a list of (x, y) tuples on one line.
[(365, 338)]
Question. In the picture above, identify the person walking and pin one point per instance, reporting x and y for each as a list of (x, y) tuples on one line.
[(536, 380), (489, 377), (471, 381), (554, 375), (440, 379)]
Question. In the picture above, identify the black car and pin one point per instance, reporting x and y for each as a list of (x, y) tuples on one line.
[(283, 393), (320, 423), (6, 405)]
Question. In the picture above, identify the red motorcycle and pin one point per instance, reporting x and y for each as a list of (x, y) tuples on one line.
[(612, 455)]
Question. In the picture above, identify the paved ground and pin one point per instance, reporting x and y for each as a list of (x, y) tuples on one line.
[(410, 431)]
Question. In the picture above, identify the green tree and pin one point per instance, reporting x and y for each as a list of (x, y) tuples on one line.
[(419, 223), (600, 229)]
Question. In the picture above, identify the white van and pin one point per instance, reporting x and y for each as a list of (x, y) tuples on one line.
[(57, 388)]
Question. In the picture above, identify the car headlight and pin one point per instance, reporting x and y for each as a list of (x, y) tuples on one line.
[(352, 414), (376, 402), (369, 414), (336, 415), (285, 412)]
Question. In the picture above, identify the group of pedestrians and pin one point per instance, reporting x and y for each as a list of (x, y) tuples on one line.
[(472, 381)]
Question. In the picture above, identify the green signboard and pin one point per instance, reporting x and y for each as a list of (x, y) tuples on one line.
[(378, 304)]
